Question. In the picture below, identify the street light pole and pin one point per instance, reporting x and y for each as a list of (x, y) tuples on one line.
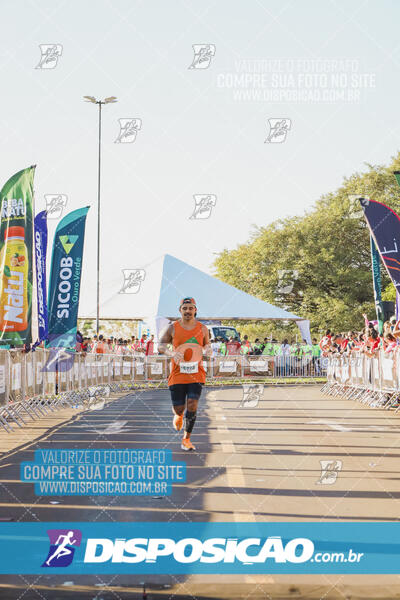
[(109, 100), (98, 228)]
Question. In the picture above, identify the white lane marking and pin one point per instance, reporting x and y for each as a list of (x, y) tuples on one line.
[(337, 427), (114, 427), (330, 424)]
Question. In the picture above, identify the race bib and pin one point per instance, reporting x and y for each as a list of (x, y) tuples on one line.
[(189, 367)]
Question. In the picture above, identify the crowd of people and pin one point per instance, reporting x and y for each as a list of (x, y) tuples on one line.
[(265, 347), (101, 345), (368, 341), (147, 346)]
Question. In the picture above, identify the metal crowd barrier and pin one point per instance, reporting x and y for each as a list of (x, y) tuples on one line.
[(37, 383), (374, 381)]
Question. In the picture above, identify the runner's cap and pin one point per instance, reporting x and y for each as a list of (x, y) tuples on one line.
[(187, 301)]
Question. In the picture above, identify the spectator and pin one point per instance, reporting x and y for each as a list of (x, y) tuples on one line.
[(396, 329), (268, 349), (232, 347), (131, 345), (284, 358), (316, 353), (150, 346), (222, 349), (79, 340), (246, 346), (100, 346), (215, 345), (389, 343), (257, 347)]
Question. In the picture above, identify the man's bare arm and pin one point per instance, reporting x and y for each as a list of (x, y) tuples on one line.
[(166, 338), (206, 341)]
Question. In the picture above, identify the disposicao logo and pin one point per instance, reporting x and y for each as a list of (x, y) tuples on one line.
[(61, 551), (191, 550)]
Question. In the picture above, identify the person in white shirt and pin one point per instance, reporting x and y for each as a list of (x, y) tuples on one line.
[(215, 345), (284, 357)]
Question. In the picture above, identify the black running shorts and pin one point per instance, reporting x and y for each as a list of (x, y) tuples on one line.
[(181, 391)]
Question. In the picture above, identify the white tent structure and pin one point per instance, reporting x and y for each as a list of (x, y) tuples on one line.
[(160, 286)]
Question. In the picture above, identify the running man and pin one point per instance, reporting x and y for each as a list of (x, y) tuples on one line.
[(61, 549), (188, 338)]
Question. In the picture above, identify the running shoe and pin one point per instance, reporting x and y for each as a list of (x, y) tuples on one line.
[(178, 422), (187, 444)]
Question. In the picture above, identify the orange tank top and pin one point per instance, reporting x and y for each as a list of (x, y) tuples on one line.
[(191, 369)]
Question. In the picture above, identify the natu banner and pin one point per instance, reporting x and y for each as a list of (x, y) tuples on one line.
[(16, 241)]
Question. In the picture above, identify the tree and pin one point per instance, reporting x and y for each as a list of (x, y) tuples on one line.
[(317, 265)]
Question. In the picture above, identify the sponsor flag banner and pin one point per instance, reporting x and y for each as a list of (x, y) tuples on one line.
[(16, 273), (397, 312), (376, 277), (214, 548), (65, 279), (384, 226), (40, 242)]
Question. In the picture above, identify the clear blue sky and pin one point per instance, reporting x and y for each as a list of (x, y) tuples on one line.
[(198, 135)]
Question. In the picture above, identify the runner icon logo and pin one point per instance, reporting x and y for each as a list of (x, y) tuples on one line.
[(55, 204), (364, 202), (286, 281), (128, 129), (132, 280), (203, 204), (278, 129), (203, 54), (251, 395), (59, 360), (50, 54), (355, 208), (62, 550), (329, 471)]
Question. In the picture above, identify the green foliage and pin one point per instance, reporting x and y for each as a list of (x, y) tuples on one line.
[(389, 293), (87, 327), (108, 327), (327, 248)]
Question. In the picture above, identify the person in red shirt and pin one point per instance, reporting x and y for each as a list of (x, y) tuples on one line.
[(150, 346), (325, 343), (100, 346), (233, 347), (372, 341)]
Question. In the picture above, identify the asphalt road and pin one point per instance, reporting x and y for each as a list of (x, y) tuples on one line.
[(251, 464)]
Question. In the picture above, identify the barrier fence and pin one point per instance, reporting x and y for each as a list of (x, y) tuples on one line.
[(373, 381), (34, 384)]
